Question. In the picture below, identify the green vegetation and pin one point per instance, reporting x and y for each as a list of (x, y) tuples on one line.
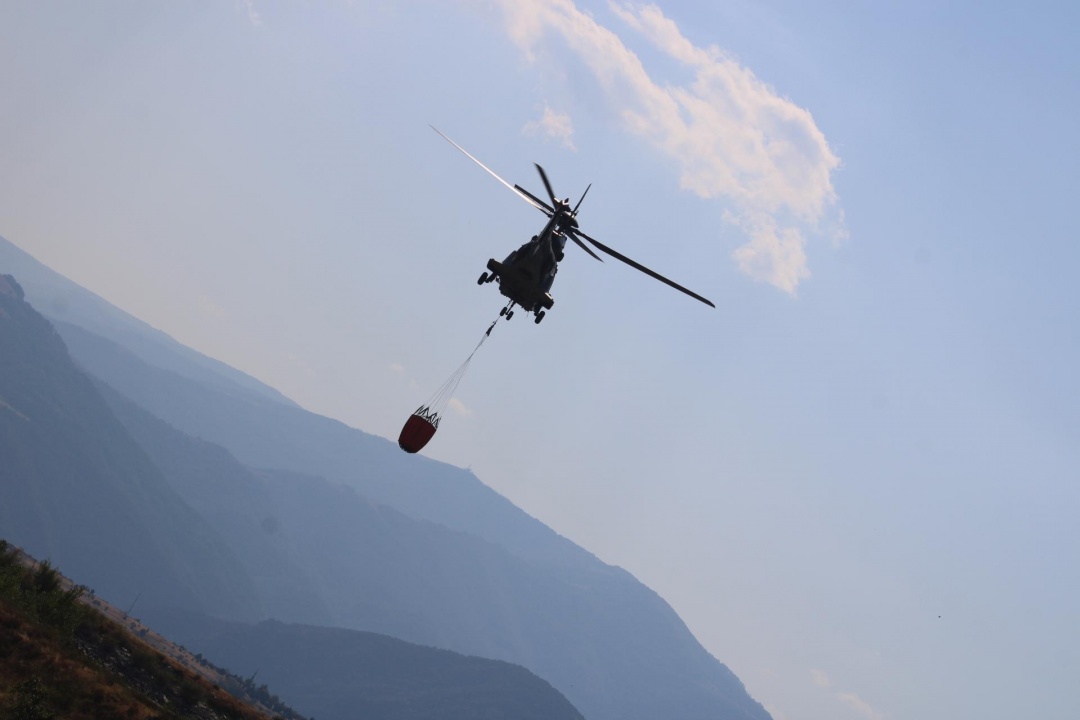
[(60, 658), (39, 593)]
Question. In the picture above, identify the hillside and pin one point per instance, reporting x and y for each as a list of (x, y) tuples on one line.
[(61, 657), (64, 653)]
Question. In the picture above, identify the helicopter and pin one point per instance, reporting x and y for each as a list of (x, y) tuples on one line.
[(526, 275)]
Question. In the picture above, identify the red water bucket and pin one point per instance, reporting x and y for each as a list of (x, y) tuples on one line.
[(417, 431)]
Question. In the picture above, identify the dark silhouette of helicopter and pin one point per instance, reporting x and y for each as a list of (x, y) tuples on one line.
[(526, 275)]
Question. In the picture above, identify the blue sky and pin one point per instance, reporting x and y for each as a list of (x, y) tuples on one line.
[(876, 427)]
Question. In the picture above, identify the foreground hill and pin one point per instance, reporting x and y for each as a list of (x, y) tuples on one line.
[(361, 536), (60, 657)]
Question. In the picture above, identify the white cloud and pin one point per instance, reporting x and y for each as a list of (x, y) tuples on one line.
[(732, 137), (822, 680), (774, 254), (253, 15), (554, 125), (459, 407), (397, 368), (860, 706), (819, 678), (838, 231)]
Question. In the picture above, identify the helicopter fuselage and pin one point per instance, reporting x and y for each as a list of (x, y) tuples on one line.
[(526, 275)]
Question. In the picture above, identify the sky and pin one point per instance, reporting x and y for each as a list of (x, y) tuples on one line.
[(855, 479)]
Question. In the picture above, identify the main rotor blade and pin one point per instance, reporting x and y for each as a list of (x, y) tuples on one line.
[(547, 185), (582, 245), (582, 199), (550, 210), (642, 268), (526, 198)]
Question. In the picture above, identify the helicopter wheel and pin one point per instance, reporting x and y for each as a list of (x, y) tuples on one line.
[(539, 317), (509, 314), (483, 279), (502, 312)]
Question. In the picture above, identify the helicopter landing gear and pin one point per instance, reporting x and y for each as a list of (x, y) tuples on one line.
[(483, 279), (539, 316), (509, 314)]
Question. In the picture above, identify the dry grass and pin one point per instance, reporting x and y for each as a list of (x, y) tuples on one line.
[(62, 658)]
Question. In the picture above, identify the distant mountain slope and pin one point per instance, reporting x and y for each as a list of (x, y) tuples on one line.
[(379, 570), (78, 490), (237, 504), (607, 642), (290, 438), (335, 674), (58, 298), (601, 637)]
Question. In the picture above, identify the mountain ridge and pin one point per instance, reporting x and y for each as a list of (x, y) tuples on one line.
[(58, 298), (71, 469)]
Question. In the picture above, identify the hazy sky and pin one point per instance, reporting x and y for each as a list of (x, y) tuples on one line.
[(856, 479)]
